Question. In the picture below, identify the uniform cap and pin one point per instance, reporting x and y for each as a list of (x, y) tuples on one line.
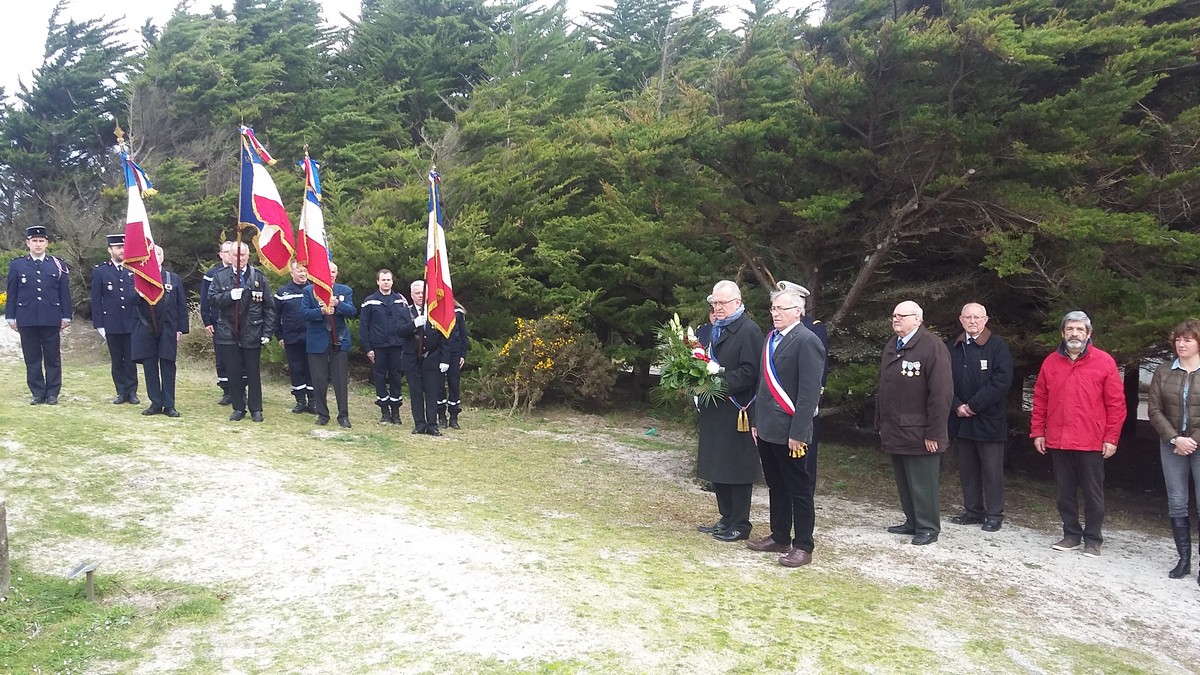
[(789, 286), (36, 231), (115, 239)]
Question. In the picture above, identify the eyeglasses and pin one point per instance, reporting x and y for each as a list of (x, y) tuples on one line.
[(722, 303), (972, 318), (902, 316), (780, 310)]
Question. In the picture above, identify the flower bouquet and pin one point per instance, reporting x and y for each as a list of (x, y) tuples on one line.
[(683, 365)]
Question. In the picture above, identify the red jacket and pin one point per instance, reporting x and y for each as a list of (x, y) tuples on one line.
[(1080, 404)]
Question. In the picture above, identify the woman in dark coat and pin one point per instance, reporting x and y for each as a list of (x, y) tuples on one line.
[(728, 457), (155, 342)]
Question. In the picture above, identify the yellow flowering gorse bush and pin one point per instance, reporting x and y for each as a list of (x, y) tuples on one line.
[(549, 354)]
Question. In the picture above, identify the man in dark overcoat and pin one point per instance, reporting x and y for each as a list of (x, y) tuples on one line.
[(983, 374), (245, 311), (113, 317), (39, 308), (155, 341), (727, 456), (789, 391), (426, 359), (911, 413)]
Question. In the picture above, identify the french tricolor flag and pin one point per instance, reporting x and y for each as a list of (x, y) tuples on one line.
[(139, 242), (313, 251), (260, 206)]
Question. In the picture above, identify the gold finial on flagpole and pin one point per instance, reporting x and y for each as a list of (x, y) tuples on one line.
[(119, 133)]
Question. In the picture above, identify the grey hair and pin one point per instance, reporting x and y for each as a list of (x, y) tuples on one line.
[(1076, 315), (727, 285), (792, 293)]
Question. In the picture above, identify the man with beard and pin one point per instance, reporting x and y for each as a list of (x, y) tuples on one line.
[(1078, 410), (113, 317)]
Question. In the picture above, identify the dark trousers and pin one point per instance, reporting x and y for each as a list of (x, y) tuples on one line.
[(917, 483), (1076, 470), (810, 457), (243, 365), (791, 495), (42, 348), (424, 384), (981, 473), (297, 362), (388, 372), (733, 502), (449, 395), (331, 367), (222, 371), (160, 381), (124, 370)]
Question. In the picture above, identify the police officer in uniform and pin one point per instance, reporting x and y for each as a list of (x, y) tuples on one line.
[(113, 317), (426, 358), (208, 314), (291, 330), (451, 396), (39, 308), (156, 338)]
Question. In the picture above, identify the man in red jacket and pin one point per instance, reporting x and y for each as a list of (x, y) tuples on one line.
[(1078, 410)]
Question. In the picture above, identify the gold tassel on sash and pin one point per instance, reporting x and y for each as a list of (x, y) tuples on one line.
[(799, 452), (743, 420)]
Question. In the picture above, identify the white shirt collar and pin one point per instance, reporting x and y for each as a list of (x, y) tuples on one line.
[(787, 330)]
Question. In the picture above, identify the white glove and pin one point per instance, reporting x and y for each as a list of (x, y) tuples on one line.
[(713, 367), (265, 339), (419, 321), (443, 367), (101, 332), (235, 293)]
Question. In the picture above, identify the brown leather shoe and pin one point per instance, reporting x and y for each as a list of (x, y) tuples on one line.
[(795, 558), (767, 545)]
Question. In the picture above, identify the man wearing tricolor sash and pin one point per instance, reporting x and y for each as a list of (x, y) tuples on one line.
[(726, 456), (789, 391), (912, 412)]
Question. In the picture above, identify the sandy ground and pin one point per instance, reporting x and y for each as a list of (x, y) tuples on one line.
[(290, 558)]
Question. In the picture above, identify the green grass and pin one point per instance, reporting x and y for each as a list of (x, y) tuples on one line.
[(581, 505)]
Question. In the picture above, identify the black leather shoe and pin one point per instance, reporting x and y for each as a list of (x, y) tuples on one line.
[(418, 430), (991, 525), (924, 538), (133, 399), (299, 408), (964, 519), (902, 528), (36, 401), (322, 420), (51, 400), (120, 399), (712, 529), (454, 422), (152, 410), (171, 412), (432, 431), (256, 416), (225, 400), (731, 535), (344, 422), (237, 415)]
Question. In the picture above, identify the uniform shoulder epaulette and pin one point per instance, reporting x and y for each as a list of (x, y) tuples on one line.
[(816, 321)]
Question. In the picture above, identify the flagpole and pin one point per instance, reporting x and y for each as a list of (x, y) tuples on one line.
[(120, 134)]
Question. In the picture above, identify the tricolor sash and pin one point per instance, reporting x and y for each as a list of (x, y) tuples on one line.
[(772, 380)]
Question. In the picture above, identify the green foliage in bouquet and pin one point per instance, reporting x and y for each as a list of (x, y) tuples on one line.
[(684, 377)]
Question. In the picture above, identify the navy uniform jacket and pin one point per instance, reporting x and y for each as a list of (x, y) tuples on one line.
[(818, 329), (113, 298), (171, 316), (208, 313), (289, 322), (318, 337), (385, 322), (38, 292), (459, 344), (435, 345)]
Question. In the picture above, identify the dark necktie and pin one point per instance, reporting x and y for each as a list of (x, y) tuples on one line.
[(899, 344)]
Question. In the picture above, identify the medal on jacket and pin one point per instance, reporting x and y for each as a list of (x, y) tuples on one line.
[(910, 368)]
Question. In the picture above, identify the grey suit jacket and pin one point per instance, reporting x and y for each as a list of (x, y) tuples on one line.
[(799, 361)]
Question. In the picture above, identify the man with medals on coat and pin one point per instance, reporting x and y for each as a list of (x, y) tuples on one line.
[(155, 341), (727, 456), (245, 311), (113, 317), (426, 359)]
